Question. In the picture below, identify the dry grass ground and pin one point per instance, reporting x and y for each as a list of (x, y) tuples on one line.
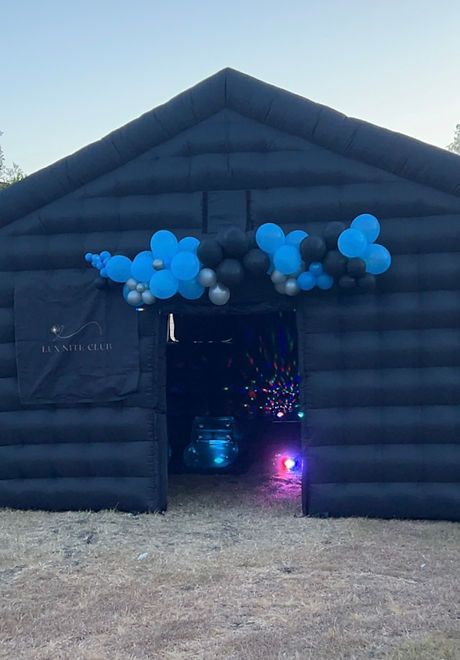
[(232, 571)]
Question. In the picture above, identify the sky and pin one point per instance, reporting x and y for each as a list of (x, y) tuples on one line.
[(74, 70)]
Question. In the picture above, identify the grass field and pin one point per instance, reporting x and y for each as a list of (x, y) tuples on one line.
[(231, 571)]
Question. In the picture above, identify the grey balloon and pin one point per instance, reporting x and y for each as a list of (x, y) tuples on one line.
[(131, 283), (219, 294), (134, 298), (280, 287), (207, 277), (158, 264), (148, 298), (291, 287), (277, 277), (140, 287)]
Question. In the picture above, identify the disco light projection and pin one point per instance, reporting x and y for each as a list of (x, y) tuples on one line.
[(275, 381)]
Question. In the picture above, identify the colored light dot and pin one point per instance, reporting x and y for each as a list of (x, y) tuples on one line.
[(289, 463)]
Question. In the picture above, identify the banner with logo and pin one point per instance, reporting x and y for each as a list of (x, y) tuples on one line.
[(74, 343)]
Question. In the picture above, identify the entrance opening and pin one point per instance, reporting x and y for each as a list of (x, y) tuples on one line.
[(233, 401)]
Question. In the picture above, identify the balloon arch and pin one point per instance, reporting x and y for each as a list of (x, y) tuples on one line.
[(297, 262)]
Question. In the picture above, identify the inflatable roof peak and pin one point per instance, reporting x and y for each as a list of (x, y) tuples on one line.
[(228, 88)]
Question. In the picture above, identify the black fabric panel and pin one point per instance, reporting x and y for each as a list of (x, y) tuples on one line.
[(227, 171), (398, 348), (7, 360), (133, 494), (226, 207), (6, 288), (287, 205), (82, 424), (135, 212), (6, 325), (431, 501), (94, 459), (229, 131), (384, 463), (384, 311), (384, 425), (385, 387), (143, 397)]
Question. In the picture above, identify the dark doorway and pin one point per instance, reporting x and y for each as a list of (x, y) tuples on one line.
[(238, 367)]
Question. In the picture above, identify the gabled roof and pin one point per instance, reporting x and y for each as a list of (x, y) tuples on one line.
[(290, 113)]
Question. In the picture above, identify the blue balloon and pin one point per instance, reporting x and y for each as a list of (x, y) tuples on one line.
[(270, 237), (103, 272), (377, 259), (126, 290), (119, 268), (306, 281), (296, 237), (189, 244), (325, 281), (163, 284), (163, 244), (352, 243), (368, 225), (287, 259), (88, 257), (185, 266), (142, 268), (191, 289), (316, 268), (105, 255)]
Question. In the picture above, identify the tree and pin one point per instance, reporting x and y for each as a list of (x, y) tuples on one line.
[(9, 175), (455, 145)]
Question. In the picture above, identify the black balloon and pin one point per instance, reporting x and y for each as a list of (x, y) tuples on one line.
[(335, 263), (356, 267), (332, 232), (367, 283), (234, 241), (256, 262), (252, 243), (209, 252), (230, 272), (312, 248), (347, 282)]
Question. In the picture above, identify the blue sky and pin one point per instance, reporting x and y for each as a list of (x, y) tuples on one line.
[(73, 70)]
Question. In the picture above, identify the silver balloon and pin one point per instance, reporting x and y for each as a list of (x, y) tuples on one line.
[(131, 283), (277, 277), (140, 287), (280, 287), (291, 287), (158, 264), (133, 298), (219, 294), (148, 298), (207, 277)]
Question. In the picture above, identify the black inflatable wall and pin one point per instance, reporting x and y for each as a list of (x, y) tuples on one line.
[(381, 372)]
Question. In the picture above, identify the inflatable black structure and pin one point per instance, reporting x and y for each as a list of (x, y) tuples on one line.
[(82, 375)]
